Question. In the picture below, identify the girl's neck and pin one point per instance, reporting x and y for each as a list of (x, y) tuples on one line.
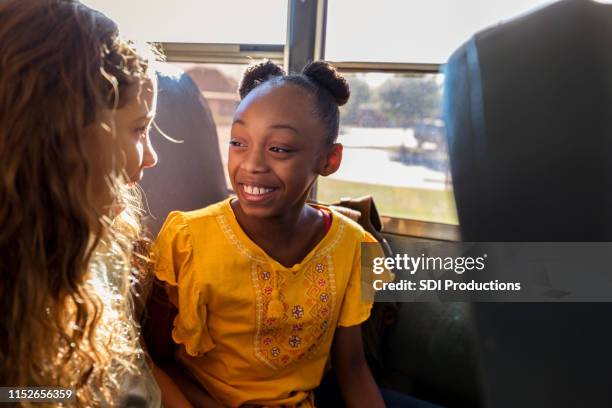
[(287, 237), (278, 228)]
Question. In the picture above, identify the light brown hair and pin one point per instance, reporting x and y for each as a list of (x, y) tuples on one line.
[(65, 272)]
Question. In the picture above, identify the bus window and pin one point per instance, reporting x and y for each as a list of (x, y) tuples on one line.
[(410, 31), (199, 21), (392, 129), (394, 147)]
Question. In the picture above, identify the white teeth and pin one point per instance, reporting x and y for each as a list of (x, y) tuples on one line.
[(254, 190)]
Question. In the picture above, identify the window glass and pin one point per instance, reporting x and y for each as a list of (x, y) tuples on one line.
[(410, 31), (204, 21), (394, 148), (394, 140)]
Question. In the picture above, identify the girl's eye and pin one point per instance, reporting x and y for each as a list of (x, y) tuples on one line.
[(236, 143), (141, 131), (280, 150)]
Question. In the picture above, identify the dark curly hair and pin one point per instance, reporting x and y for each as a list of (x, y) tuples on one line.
[(319, 78)]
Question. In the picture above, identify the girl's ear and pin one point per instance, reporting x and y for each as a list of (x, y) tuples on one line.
[(332, 160)]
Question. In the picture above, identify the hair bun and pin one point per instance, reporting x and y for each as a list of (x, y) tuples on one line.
[(256, 74), (329, 78)]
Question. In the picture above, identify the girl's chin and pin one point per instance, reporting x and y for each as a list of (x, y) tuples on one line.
[(135, 180)]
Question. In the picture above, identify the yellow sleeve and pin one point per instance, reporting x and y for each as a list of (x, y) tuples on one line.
[(174, 266), (357, 302)]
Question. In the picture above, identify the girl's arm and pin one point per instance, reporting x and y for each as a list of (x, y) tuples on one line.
[(357, 385)]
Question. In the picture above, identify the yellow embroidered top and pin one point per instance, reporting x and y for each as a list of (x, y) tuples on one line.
[(222, 284)]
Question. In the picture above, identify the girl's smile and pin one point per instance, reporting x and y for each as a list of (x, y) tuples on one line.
[(255, 192)]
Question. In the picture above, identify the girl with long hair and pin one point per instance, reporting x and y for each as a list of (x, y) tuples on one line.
[(76, 104)]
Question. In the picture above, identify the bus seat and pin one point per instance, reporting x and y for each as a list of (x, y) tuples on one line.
[(422, 349), (189, 175), (529, 127), (430, 353)]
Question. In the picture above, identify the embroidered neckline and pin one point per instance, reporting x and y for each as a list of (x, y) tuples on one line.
[(228, 223)]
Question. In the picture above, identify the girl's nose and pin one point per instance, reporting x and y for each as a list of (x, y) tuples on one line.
[(149, 158), (255, 161)]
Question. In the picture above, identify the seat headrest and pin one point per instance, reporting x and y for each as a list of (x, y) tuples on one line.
[(528, 110), (189, 175)]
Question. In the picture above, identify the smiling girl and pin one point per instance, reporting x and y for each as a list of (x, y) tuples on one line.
[(266, 285)]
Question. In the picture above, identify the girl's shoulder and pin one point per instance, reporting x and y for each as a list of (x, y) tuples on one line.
[(197, 216), (187, 235), (347, 221), (192, 223)]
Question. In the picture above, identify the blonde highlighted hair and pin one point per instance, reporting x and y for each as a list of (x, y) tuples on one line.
[(65, 273)]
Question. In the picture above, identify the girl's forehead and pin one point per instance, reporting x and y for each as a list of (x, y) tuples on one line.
[(141, 96), (281, 98), (272, 105)]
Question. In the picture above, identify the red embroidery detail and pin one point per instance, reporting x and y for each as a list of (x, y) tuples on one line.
[(283, 341)]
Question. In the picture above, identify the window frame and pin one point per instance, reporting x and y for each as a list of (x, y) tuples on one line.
[(420, 229), (222, 53), (306, 26), (387, 67)]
